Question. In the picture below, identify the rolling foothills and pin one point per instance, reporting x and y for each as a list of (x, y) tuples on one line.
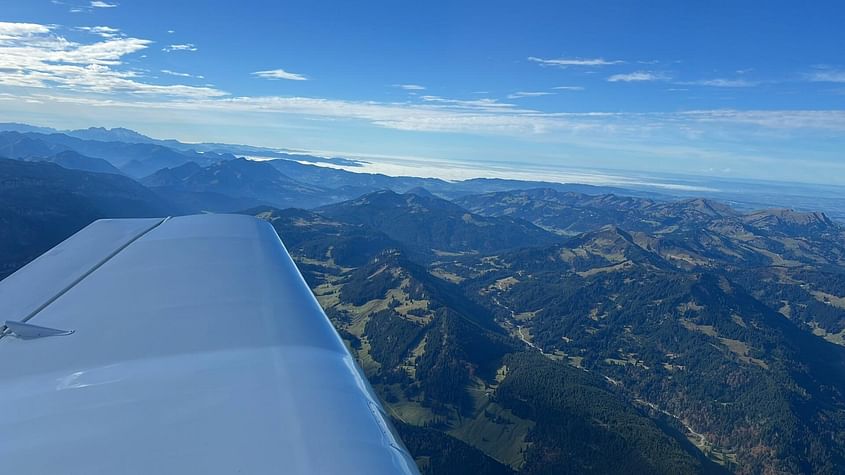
[(511, 326)]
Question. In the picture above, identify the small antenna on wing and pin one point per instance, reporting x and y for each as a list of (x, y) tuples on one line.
[(26, 331)]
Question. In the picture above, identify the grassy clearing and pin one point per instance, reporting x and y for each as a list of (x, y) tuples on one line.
[(830, 299), (504, 442), (836, 338), (443, 274)]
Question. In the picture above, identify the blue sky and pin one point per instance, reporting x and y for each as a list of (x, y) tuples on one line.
[(724, 88)]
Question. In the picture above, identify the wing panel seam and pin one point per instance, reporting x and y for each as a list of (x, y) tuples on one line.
[(85, 275)]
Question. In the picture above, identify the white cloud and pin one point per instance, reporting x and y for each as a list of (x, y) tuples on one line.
[(569, 88), (410, 87), (35, 57), (784, 119), (107, 52), (637, 76), (719, 82), (180, 47), (56, 71), (567, 62), (826, 75), (521, 94), (486, 116), (473, 104), (12, 31), (280, 74), (104, 31), (101, 4), (181, 75)]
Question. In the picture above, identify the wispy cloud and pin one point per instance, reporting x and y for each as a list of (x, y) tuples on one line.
[(484, 116), (103, 31), (720, 82), (181, 75), (41, 66), (75, 7), (180, 47), (521, 94), (826, 75), (774, 119), (410, 87), (638, 76), (568, 62), (480, 105), (33, 56), (280, 74), (569, 88)]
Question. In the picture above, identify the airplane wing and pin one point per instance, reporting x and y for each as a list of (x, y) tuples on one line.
[(180, 345)]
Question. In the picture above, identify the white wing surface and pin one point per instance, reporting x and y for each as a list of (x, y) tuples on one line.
[(183, 345)]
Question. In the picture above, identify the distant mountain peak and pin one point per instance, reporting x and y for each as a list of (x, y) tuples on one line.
[(76, 161), (420, 191), (24, 128), (609, 233), (431, 225), (712, 208), (117, 134), (172, 175), (783, 219)]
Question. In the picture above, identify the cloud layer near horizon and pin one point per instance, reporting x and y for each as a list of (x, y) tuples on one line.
[(42, 69), (37, 58)]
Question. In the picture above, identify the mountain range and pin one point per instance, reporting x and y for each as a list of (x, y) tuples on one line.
[(723, 328), (511, 326), (688, 335), (41, 204)]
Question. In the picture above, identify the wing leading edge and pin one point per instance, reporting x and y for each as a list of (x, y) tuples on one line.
[(196, 347)]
